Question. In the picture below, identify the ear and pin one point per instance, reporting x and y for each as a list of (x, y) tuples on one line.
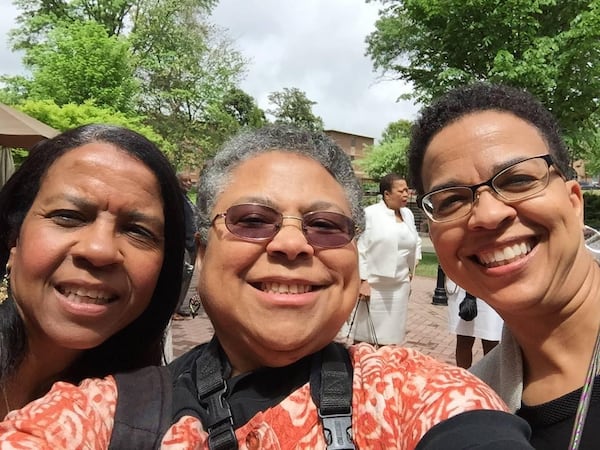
[(576, 198), (11, 256)]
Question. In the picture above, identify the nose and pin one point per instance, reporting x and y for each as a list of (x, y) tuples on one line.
[(97, 243), (290, 240), (489, 211)]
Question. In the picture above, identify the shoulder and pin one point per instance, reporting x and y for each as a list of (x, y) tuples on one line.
[(392, 363), (403, 385), (81, 416), (92, 394), (371, 209), (185, 362)]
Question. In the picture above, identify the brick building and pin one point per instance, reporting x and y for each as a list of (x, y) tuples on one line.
[(354, 145)]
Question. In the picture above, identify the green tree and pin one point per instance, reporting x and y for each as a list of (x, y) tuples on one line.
[(549, 47), (243, 108), (395, 130), (80, 62), (182, 65), (118, 17), (293, 106), (386, 157), (187, 67)]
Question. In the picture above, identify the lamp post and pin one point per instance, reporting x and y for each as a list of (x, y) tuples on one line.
[(439, 295)]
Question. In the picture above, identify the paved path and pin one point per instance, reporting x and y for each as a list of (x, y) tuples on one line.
[(427, 328)]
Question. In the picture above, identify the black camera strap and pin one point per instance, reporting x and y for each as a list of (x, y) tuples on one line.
[(330, 386), (331, 390)]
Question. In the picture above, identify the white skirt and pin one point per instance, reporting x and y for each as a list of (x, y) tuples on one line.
[(389, 310), (486, 325)]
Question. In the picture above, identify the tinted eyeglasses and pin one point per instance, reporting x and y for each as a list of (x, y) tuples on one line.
[(255, 222), (516, 182)]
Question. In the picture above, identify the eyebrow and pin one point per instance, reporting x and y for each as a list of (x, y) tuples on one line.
[(133, 216), (315, 206), (498, 167)]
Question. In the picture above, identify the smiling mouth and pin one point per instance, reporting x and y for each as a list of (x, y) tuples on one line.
[(87, 296), (505, 255), (284, 288)]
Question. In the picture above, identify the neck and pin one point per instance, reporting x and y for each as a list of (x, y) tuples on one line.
[(40, 368), (557, 346)]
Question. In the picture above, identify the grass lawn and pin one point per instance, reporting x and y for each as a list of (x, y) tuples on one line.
[(428, 266)]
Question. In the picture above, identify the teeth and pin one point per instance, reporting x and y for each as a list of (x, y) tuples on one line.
[(81, 295), (282, 288), (505, 255)]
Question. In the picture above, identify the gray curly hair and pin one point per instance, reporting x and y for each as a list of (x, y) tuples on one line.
[(216, 175)]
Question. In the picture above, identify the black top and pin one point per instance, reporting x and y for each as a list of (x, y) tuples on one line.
[(478, 430), (552, 422), (247, 394)]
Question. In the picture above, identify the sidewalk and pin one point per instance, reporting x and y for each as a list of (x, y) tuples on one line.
[(427, 328)]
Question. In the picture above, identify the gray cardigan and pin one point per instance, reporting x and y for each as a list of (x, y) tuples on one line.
[(502, 370)]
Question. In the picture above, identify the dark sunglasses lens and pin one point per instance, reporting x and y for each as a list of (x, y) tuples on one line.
[(328, 229), (254, 222)]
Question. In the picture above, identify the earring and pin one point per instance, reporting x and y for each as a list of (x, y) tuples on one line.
[(5, 285)]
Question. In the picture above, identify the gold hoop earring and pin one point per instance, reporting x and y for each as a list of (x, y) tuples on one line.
[(5, 285)]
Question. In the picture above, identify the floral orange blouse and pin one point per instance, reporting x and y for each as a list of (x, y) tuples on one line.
[(398, 395)]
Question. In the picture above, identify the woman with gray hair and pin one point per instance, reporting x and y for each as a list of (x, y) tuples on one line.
[(278, 213)]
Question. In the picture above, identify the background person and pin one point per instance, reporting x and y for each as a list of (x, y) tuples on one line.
[(487, 326), (91, 233), (488, 162), (278, 277), (389, 250), (189, 210)]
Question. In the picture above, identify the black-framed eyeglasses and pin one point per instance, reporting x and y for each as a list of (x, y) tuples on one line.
[(255, 222), (518, 181)]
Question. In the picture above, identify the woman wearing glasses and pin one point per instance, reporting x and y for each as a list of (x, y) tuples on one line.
[(489, 164), (278, 211)]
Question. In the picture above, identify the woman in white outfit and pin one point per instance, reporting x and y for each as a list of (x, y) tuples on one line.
[(389, 250), (487, 326)]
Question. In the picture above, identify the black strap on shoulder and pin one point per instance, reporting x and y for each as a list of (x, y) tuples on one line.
[(210, 383), (143, 412), (331, 390)]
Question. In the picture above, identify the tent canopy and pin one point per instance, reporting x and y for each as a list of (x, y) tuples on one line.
[(18, 130)]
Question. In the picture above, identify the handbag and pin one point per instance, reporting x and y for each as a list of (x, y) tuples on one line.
[(467, 310), (370, 325)]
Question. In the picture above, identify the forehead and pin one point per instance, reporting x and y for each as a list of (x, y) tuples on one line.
[(97, 166), (399, 184), (282, 178), (477, 145)]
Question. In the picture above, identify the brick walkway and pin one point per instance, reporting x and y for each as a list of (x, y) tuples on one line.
[(427, 328)]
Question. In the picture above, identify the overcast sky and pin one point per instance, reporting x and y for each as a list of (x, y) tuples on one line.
[(316, 46)]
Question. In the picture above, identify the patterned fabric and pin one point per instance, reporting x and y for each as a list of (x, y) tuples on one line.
[(398, 395)]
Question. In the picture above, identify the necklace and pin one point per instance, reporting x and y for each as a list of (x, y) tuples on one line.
[(586, 394), (5, 397)]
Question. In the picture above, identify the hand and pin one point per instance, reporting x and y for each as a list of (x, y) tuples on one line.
[(364, 293)]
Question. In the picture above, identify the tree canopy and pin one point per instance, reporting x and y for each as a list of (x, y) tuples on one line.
[(293, 106), (78, 62), (390, 154), (159, 62), (549, 47)]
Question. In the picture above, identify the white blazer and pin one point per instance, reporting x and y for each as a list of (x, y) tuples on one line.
[(378, 244)]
